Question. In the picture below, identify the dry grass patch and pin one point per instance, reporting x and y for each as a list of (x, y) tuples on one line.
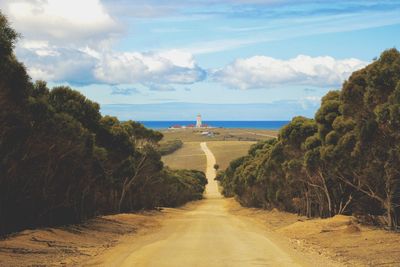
[(190, 156), (219, 134), (226, 151)]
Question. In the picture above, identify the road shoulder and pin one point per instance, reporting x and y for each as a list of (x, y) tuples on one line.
[(71, 245), (338, 241)]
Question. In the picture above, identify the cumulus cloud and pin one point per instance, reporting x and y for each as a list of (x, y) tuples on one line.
[(154, 70), (268, 72), (60, 21), (46, 62), (71, 41), (57, 35), (158, 68)]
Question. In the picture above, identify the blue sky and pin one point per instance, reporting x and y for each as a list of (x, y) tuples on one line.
[(281, 56)]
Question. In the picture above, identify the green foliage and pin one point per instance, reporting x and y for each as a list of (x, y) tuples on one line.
[(8, 38), (346, 161), (170, 147), (62, 162), (180, 186), (73, 103)]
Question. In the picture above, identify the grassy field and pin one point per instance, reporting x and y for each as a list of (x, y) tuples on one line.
[(226, 144), (190, 156), (226, 151), (219, 134)]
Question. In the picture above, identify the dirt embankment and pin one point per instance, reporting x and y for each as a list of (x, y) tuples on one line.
[(339, 238), (73, 245)]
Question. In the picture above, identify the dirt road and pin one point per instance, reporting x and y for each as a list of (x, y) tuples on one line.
[(207, 235)]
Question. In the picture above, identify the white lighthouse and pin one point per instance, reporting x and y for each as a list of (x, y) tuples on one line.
[(198, 121)]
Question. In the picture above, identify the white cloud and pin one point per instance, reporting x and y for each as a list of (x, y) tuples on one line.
[(40, 48), (268, 72), (85, 66), (59, 21), (62, 39), (51, 63), (77, 49), (165, 67)]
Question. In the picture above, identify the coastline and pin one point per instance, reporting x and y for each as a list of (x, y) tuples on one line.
[(250, 125)]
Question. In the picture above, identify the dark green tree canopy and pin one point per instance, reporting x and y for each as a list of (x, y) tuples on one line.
[(62, 162), (346, 161)]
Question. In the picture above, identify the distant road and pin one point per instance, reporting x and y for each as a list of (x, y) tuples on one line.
[(260, 134), (207, 235)]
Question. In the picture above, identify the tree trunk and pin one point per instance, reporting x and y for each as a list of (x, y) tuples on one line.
[(343, 208), (390, 189), (121, 199), (389, 215), (308, 206), (128, 182), (326, 191)]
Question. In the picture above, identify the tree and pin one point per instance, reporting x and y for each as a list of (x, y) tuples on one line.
[(370, 99), (62, 162), (64, 99), (346, 161)]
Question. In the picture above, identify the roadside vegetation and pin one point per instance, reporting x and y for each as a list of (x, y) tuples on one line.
[(62, 162), (181, 186), (344, 161), (170, 146)]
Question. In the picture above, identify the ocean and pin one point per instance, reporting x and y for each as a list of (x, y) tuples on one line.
[(262, 125)]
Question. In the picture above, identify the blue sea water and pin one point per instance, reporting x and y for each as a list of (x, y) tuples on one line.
[(264, 125)]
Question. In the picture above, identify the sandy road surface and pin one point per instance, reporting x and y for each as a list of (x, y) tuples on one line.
[(207, 235)]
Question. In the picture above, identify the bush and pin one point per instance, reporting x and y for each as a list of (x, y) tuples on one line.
[(170, 147)]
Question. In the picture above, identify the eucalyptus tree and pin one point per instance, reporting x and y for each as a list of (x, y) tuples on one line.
[(370, 99)]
